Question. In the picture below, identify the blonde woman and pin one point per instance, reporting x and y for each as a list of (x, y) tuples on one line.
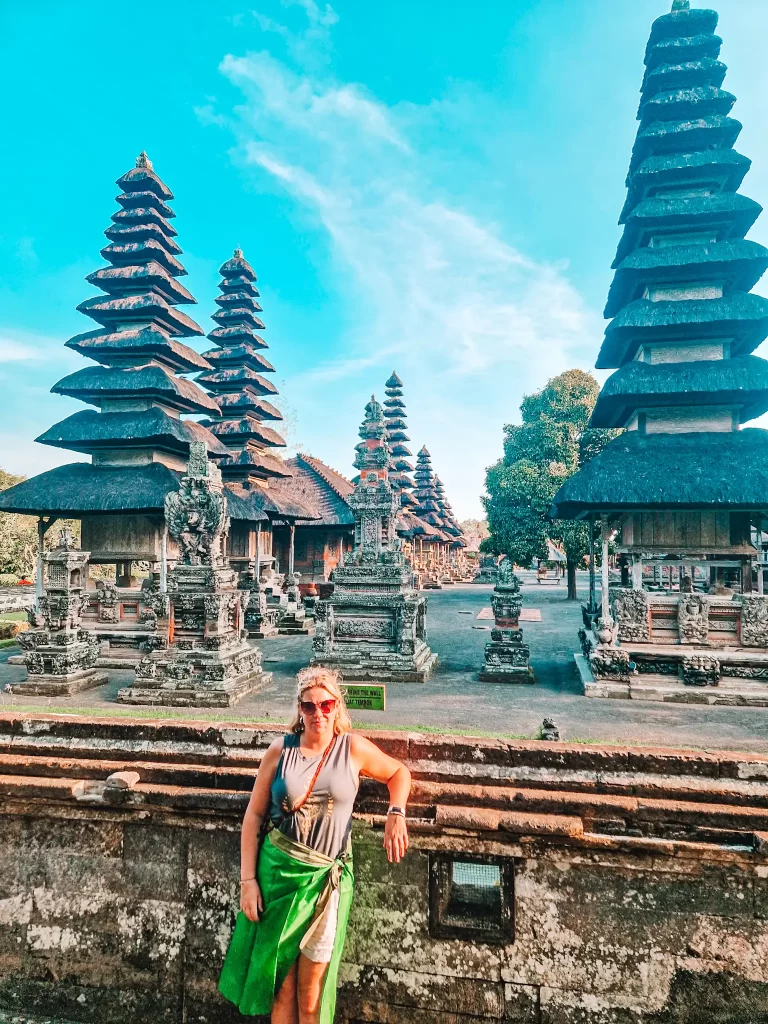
[(296, 884)]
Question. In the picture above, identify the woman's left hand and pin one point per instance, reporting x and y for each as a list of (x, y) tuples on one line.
[(395, 837)]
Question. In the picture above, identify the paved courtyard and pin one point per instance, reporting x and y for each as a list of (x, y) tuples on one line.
[(454, 700)]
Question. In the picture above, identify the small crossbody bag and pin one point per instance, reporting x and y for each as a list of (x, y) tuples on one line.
[(267, 824)]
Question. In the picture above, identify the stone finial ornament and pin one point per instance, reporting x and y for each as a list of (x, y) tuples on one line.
[(142, 160), (681, 5)]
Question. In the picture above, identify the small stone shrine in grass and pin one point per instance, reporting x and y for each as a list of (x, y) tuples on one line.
[(372, 626), (58, 654), (684, 489), (207, 661), (506, 656)]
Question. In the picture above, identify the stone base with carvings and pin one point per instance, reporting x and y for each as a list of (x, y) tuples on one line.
[(198, 678), (58, 663), (506, 658), (381, 666), (48, 685), (677, 673), (260, 618), (373, 626)]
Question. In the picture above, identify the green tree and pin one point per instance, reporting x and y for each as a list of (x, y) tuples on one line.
[(540, 453), (18, 536)]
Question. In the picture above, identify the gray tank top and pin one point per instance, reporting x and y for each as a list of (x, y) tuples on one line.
[(325, 820)]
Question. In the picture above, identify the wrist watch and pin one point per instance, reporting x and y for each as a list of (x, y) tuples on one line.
[(396, 810)]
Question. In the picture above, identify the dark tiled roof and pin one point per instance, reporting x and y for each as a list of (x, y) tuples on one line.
[(674, 471), (81, 488), (318, 487)]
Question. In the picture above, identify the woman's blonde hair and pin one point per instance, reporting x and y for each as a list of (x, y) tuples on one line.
[(330, 680)]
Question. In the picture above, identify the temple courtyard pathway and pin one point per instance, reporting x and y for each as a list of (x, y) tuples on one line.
[(453, 700)]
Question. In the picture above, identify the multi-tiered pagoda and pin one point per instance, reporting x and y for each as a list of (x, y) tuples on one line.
[(427, 509), (136, 437), (243, 394), (400, 469), (685, 485), (453, 532), (241, 391)]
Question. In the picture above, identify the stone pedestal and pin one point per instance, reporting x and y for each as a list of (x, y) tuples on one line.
[(206, 661), (688, 648), (59, 655), (506, 656), (260, 619), (372, 625)]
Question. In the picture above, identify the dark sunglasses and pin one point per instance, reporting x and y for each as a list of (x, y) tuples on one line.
[(308, 706)]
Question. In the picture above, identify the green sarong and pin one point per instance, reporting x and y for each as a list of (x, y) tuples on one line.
[(295, 881)]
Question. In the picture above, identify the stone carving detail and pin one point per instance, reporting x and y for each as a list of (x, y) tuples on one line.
[(700, 670), (693, 619), (631, 611), (754, 620), (196, 513), (610, 663), (374, 629), (488, 570), (108, 600), (372, 624), (207, 661)]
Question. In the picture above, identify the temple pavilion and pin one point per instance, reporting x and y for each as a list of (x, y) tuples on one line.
[(685, 487)]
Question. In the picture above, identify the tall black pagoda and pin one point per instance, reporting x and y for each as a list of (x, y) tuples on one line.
[(400, 469), (684, 485), (237, 382)]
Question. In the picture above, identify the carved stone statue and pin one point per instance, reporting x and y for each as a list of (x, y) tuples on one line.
[(631, 612), (700, 670), (196, 513), (693, 619)]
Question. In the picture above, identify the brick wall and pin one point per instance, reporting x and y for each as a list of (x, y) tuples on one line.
[(641, 879)]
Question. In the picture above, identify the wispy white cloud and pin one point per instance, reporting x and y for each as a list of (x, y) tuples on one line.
[(436, 290)]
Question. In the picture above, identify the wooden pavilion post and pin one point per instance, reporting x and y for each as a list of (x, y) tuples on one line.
[(291, 547), (164, 559), (592, 561), (257, 568), (605, 607)]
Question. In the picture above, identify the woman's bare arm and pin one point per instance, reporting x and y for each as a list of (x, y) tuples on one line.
[(258, 807), (373, 762)]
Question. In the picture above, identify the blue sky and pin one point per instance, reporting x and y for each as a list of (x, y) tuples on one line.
[(431, 187)]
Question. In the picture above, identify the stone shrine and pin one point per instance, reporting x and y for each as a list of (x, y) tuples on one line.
[(206, 661), (294, 620), (506, 656), (372, 626), (488, 570), (58, 654)]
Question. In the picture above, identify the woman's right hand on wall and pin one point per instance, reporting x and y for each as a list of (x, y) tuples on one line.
[(251, 902)]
